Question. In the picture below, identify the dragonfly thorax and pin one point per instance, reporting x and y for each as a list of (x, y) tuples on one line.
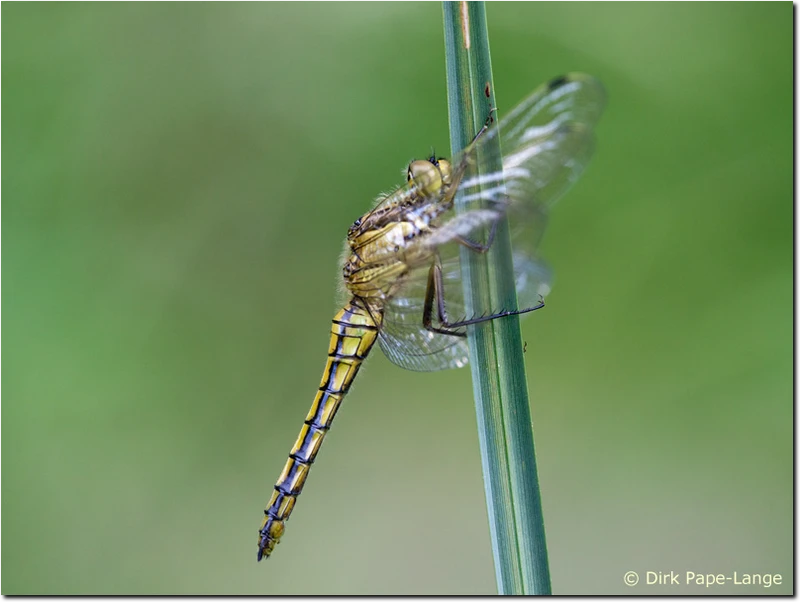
[(384, 243), (379, 257), (429, 181)]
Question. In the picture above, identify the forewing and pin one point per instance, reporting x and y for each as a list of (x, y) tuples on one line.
[(548, 138), (546, 142)]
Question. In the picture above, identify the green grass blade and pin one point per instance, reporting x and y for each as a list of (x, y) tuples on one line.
[(496, 358)]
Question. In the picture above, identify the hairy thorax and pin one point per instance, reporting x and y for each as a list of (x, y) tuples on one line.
[(386, 243), (378, 260)]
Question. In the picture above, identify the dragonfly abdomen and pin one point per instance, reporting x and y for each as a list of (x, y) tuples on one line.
[(353, 333)]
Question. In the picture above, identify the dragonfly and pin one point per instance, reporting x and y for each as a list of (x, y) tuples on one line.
[(402, 272)]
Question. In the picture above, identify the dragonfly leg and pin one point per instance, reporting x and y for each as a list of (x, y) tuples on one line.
[(476, 246), (500, 314), (469, 243), (489, 121), (435, 289)]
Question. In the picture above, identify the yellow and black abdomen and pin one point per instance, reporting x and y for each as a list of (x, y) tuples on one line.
[(353, 333)]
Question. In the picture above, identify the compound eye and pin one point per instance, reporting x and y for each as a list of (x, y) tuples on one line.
[(425, 176), (445, 169)]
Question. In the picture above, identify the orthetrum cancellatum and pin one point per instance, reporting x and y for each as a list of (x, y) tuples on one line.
[(401, 269)]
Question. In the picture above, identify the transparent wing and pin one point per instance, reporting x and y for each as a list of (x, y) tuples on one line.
[(547, 141), (403, 337), (405, 340), (548, 138)]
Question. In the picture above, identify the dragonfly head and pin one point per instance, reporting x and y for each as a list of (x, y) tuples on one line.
[(429, 175)]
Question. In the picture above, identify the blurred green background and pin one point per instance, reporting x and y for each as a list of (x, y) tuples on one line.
[(178, 181)]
